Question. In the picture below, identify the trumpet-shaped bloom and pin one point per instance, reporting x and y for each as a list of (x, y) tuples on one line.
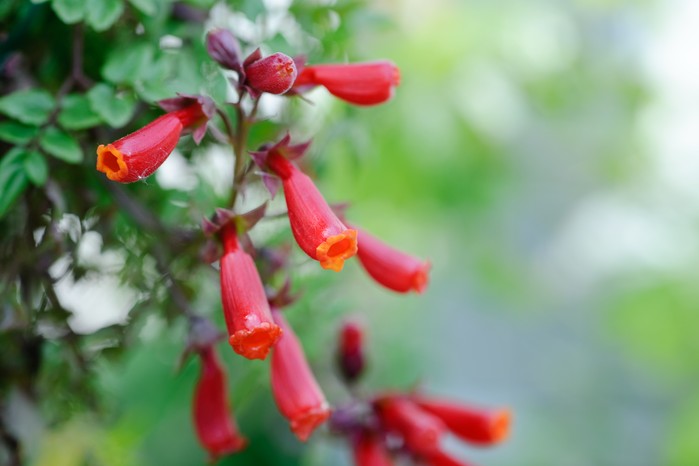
[(295, 390), (316, 228), (392, 268), (476, 425), (248, 318), (137, 155), (421, 431), (369, 450), (213, 423), (369, 83), (351, 351)]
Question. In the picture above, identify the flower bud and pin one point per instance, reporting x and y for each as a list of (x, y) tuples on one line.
[(350, 355), (223, 47), (274, 74)]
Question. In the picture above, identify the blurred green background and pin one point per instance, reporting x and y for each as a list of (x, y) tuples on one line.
[(544, 156)]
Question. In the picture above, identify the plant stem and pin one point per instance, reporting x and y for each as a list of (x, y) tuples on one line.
[(240, 142)]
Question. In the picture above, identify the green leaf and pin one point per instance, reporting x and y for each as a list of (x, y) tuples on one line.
[(61, 145), (69, 11), (17, 133), (115, 110), (101, 14), (36, 168), (148, 7), (13, 180), (13, 157), (31, 106), (127, 64), (76, 113)]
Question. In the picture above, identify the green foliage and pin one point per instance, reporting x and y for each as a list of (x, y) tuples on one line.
[(147, 7), (69, 11), (13, 178), (116, 110), (31, 106), (36, 168), (77, 113), (17, 133), (101, 14), (128, 64), (61, 145)]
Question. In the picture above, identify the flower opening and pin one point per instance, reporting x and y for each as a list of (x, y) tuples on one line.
[(334, 251)]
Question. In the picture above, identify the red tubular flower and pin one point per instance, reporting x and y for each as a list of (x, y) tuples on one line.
[(248, 318), (295, 390), (139, 154), (351, 352), (392, 268), (315, 226), (420, 430), (475, 425), (369, 450), (357, 83), (215, 428), (274, 74)]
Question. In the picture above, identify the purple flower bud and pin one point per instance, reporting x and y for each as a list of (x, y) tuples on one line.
[(274, 74), (223, 47)]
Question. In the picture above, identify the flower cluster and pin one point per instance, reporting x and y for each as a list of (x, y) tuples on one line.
[(389, 425), (254, 320)]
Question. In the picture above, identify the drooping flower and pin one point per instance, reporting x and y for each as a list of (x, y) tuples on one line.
[(274, 74), (368, 450), (421, 431), (350, 354), (316, 228), (137, 155), (213, 423), (295, 389), (248, 318), (368, 83), (476, 425), (391, 268)]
